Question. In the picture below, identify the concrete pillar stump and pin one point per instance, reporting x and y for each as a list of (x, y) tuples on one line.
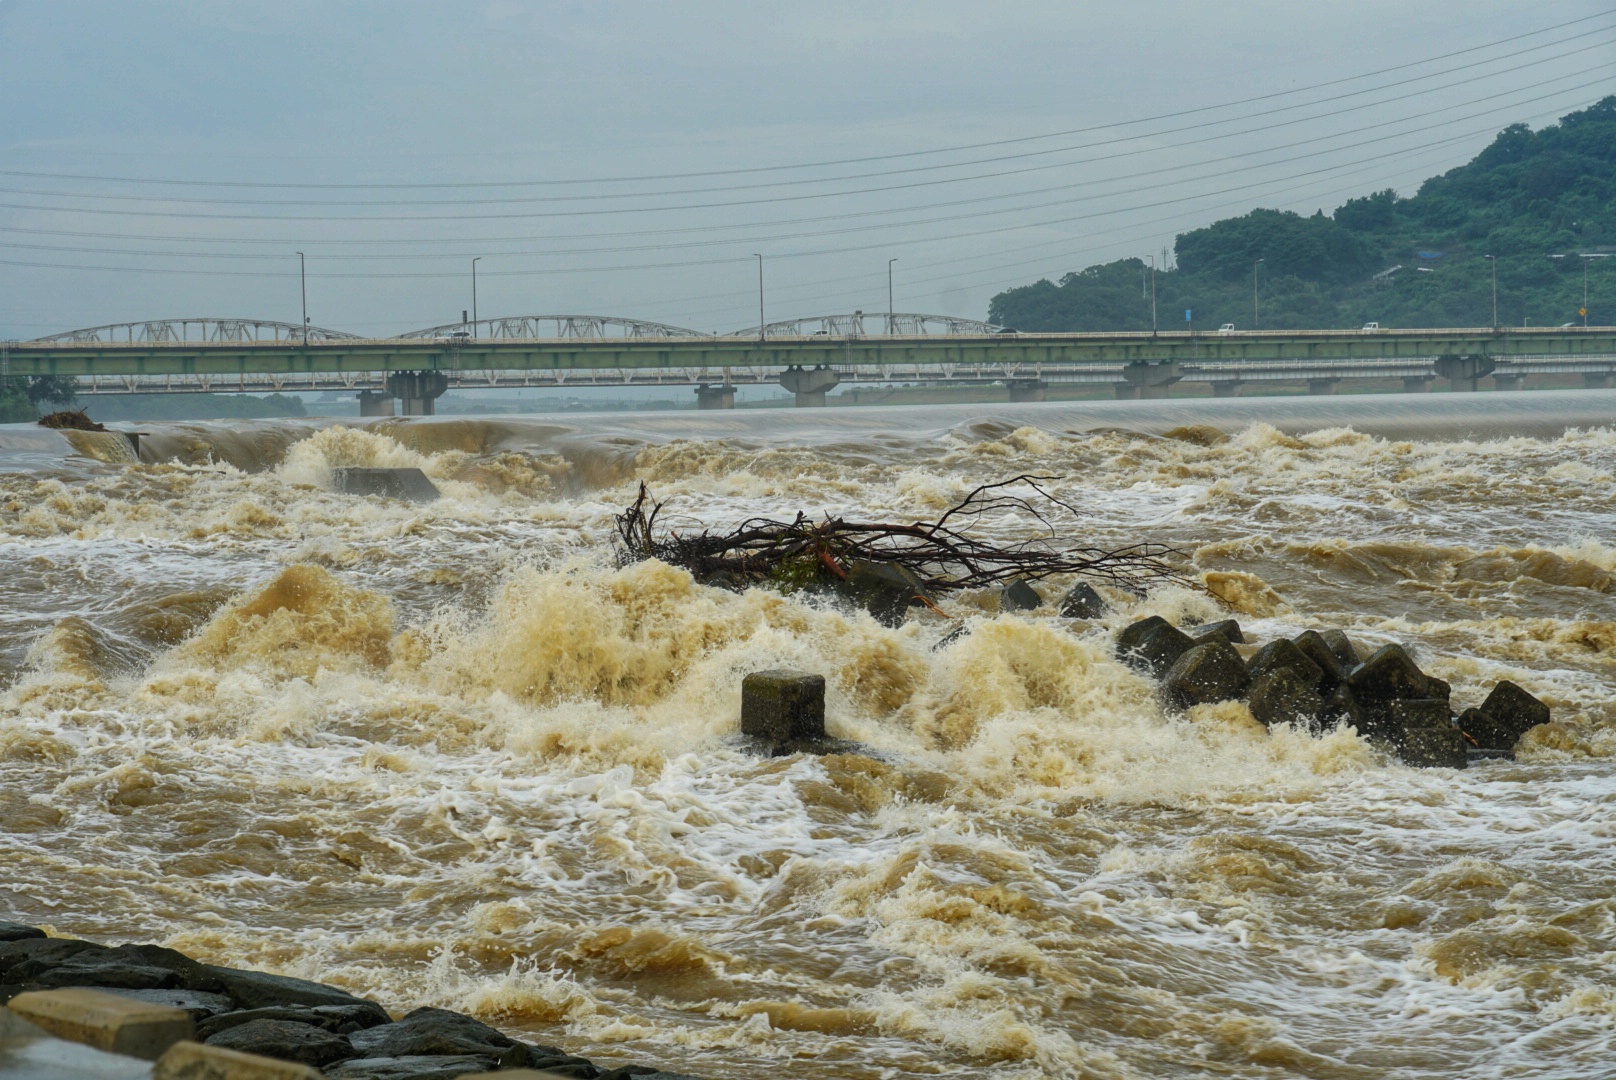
[(375, 403), (1027, 389), (1321, 387), (715, 397), (1230, 388), (783, 706)]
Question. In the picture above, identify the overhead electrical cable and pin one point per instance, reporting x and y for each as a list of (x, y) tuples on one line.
[(1201, 110), (615, 196), (945, 219)]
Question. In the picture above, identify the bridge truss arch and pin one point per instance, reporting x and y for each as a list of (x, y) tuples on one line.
[(556, 328), (861, 324), (155, 331)]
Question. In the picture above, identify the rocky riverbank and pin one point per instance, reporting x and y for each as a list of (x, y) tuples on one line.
[(346, 1037)]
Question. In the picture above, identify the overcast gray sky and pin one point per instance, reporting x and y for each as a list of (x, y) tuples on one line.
[(529, 115)]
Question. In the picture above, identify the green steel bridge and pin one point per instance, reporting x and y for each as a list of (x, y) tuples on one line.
[(807, 357)]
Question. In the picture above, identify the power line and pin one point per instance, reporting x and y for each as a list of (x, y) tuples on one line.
[(614, 196), (913, 222), (1177, 114)]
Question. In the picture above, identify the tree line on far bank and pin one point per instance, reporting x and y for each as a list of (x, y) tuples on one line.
[(23, 400), (1420, 261)]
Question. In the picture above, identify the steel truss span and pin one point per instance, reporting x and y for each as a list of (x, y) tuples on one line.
[(554, 328), (157, 331), (860, 323)]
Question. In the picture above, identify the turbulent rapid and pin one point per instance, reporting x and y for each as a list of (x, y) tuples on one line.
[(454, 754)]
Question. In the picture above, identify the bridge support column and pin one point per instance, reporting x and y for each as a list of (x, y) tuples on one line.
[(1228, 388), (1503, 381), (715, 397), (375, 403), (1027, 389), (1418, 384), (1126, 391), (1464, 373), (809, 384), (1152, 379), (417, 391), (1595, 381), (1322, 387)]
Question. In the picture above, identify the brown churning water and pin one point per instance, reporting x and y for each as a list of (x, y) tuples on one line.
[(450, 754)]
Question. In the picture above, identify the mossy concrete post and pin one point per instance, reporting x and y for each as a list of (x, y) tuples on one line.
[(783, 706)]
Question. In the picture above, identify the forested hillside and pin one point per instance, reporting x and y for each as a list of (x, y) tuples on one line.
[(1529, 196)]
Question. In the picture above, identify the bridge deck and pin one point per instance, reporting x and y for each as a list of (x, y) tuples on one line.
[(1002, 351)]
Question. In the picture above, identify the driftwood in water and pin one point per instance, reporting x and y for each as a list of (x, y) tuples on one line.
[(941, 554), (74, 419)]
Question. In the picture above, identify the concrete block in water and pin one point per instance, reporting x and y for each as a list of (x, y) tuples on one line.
[(409, 484), (1311, 644), (1390, 673), (1226, 629), (1019, 596), (1507, 714), (1212, 671), (193, 1061), (105, 1021), (1282, 654), (1082, 602), (783, 706), (1152, 645), (1281, 696), (1434, 747)]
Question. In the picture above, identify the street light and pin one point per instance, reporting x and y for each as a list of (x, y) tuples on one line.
[(1256, 313), (889, 295), (474, 263), (1585, 257), (759, 258), (1152, 259), (1494, 260), (303, 285)]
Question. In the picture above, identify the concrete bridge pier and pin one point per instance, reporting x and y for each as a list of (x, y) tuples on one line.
[(418, 391), (375, 403), (1322, 387), (1464, 373), (809, 384), (1152, 380), (1502, 381), (715, 397), (1027, 389), (1227, 388), (1418, 384), (1595, 381)]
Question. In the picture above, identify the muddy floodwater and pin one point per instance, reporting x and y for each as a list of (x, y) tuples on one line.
[(453, 754)]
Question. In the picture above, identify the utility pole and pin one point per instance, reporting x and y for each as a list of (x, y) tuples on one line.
[(759, 258), (474, 263), (1152, 259), (303, 284), (889, 295), (1585, 257), (1256, 320), (1494, 260)]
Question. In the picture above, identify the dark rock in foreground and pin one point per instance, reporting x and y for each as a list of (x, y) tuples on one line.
[(286, 1040), (419, 1067), (257, 990), (290, 1019), (409, 484)]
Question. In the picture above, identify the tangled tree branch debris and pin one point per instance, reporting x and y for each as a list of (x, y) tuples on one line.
[(941, 555), (72, 419)]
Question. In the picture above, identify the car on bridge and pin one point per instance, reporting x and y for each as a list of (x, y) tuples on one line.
[(1226, 328)]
